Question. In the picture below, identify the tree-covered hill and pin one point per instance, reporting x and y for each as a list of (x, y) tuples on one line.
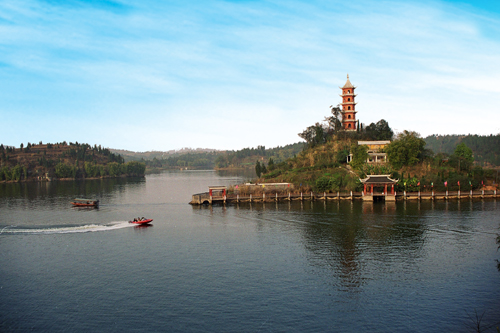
[(244, 158), (159, 155), (192, 160), (322, 165), (63, 160), (486, 149), (314, 165)]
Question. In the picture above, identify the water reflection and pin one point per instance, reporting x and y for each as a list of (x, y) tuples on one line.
[(343, 238), (248, 174), (50, 193), (142, 227)]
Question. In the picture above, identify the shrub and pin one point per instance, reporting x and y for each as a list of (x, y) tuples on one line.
[(323, 183)]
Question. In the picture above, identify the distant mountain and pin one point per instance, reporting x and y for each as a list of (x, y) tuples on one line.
[(486, 148), (248, 157), (150, 155), (201, 158)]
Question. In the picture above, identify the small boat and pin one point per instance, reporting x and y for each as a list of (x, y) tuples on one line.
[(141, 221), (85, 203)]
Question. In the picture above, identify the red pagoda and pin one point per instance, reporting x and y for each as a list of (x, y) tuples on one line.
[(349, 122)]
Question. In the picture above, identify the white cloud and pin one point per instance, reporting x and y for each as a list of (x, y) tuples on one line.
[(200, 73)]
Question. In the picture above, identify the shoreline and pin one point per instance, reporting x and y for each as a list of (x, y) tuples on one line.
[(33, 180)]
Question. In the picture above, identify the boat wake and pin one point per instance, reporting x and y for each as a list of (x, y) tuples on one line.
[(67, 230)]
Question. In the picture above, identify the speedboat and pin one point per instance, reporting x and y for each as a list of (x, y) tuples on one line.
[(141, 221)]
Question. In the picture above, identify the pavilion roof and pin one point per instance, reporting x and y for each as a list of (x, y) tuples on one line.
[(379, 142), (218, 187), (378, 179)]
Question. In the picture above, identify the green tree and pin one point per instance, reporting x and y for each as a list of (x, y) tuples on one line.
[(270, 164), (103, 171), (335, 120), (406, 150), (114, 169), (135, 168), (64, 171), (221, 161), (258, 169), (464, 156), (341, 156), (5, 173), (383, 130), (17, 171), (359, 155), (379, 131), (92, 170), (314, 135)]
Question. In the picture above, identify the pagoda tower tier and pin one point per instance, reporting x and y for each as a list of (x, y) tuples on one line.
[(349, 122)]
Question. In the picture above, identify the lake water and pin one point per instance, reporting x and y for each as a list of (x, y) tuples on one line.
[(286, 267)]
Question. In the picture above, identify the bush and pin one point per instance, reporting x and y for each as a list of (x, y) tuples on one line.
[(272, 174), (330, 183), (323, 183)]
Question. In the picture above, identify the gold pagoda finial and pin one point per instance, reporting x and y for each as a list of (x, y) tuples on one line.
[(348, 76)]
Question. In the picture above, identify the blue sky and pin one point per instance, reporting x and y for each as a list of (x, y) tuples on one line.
[(160, 75)]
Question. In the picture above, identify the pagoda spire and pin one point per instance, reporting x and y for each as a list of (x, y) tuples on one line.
[(348, 83)]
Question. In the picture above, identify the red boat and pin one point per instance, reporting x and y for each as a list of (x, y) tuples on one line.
[(85, 203), (141, 221)]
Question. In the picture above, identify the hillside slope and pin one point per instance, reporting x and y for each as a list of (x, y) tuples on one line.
[(62, 160)]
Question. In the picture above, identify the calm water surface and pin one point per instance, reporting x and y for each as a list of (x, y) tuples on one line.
[(287, 267)]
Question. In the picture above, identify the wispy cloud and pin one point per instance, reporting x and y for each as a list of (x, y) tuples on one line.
[(257, 71)]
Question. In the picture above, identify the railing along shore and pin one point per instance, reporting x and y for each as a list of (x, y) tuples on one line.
[(205, 198)]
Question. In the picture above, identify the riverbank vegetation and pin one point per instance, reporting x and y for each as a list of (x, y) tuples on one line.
[(63, 160)]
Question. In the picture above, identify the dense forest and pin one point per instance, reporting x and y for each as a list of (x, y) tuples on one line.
[(201, 160), (486, 149), (63, 160), (244, 158)]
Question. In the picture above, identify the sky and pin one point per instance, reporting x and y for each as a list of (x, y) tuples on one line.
[(147, 75)]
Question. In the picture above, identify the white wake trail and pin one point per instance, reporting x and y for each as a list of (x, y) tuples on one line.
[(67, 230)]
